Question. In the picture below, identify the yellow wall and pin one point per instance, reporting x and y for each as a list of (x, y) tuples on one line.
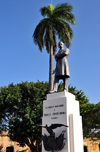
[(6, 142), (93, 146)]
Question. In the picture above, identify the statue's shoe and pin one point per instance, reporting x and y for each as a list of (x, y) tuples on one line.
[(53, 91), (66, 90)]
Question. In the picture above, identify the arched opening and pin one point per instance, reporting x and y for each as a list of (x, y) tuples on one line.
[(99, 146), (85, 149), (10, 149)]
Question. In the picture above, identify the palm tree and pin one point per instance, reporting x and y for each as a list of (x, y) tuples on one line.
[(56, 22)]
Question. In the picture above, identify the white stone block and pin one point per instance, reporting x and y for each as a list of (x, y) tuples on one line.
[(62, 108), (75, 131), (60, 95)]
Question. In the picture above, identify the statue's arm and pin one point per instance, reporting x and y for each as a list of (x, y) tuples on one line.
[(62, 54)]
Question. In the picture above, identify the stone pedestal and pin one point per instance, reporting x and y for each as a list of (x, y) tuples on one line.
[(62, 108)]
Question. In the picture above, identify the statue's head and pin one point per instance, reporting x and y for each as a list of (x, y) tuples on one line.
[(60, 44)]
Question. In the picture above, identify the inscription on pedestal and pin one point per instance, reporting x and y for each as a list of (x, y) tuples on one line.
[(54, 111)]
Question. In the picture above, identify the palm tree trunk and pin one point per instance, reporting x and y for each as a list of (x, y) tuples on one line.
[(51, 69)]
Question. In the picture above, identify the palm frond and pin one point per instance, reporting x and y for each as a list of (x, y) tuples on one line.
[(49, 37), (63, 6), (55, 43), (46, 39), (47, 10), (64, 31), (64, 11), (39, 33), (51, 7), (47, 44)]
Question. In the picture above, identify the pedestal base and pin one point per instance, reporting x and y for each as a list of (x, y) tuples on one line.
[(62, 108)]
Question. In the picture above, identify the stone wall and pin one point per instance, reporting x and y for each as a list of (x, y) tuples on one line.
[(93, 146), (6, 142)]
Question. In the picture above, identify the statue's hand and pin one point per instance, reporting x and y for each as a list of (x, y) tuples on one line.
[(53, 71), (56, 58)]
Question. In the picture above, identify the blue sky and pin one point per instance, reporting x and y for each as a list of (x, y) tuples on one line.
[(21, 60)]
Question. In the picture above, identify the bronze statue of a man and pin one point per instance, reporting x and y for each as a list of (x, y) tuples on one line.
[(62, 68)]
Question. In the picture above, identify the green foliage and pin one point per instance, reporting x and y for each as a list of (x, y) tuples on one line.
[(23, 111)]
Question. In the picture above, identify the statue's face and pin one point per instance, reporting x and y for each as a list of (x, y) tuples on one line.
[(60, 44)]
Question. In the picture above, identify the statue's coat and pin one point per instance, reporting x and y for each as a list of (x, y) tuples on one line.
[(62, 68)]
